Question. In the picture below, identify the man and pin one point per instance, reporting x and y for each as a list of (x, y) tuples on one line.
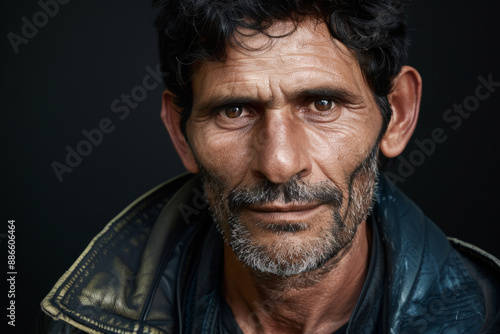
[(282, 113)]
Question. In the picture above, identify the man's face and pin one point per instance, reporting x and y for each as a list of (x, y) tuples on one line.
[(286, 138)]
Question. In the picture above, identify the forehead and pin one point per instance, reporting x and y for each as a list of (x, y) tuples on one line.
[(271, 68)]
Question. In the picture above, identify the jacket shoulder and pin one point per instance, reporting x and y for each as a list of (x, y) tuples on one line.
[(110, 284), (477, 255), (435, 284), (485, 269)]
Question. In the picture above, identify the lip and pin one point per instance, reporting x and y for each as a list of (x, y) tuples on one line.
[(270, 208), (284, 213)]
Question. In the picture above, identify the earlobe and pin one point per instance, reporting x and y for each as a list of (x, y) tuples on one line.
[(405, 104), (171, 117)]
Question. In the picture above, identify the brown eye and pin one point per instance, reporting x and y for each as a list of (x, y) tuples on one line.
[(323, 105), (232, 112)]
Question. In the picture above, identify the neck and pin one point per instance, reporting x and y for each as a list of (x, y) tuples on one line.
[(317, 302)]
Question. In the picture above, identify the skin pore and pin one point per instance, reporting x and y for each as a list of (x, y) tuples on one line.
[(286, 137)]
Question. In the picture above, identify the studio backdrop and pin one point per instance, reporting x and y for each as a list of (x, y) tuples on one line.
[(82, 137)]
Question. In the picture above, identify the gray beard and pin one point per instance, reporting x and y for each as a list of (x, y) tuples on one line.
[(285, 258)]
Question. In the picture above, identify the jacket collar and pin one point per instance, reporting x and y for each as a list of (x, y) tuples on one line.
[(428, 286), (138, 273)]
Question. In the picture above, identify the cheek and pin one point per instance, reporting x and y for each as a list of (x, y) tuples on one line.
[(224, 155), (337, 151)]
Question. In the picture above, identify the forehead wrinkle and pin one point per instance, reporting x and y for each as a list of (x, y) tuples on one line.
[(283, 57), (275, 90), (304, 59), (236, 70)]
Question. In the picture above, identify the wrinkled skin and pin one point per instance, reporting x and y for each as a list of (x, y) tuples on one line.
[(286, 114), (286, 134)]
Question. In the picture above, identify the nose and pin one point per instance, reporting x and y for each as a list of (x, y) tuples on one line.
[(282, 150)]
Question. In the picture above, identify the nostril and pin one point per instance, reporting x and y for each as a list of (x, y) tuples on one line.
[(302, 174)]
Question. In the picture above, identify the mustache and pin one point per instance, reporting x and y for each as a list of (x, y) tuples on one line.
[(294, 190)]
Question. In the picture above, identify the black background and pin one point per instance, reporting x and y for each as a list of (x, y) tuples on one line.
[(66, 77)]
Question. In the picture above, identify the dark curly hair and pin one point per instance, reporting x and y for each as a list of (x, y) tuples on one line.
[(199, 30)]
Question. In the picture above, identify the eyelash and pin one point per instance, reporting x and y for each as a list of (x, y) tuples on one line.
[(311, 113), (224, 109), (237, 122), (332, 101)]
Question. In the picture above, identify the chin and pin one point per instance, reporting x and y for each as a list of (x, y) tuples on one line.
[(286, 248)]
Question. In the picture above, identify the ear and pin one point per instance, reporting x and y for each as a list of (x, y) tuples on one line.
[(405, 104), (171, 117)]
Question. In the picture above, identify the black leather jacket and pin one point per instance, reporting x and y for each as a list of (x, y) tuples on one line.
[(155, 268)]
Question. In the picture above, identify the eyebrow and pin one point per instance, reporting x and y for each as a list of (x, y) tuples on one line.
[(338, 94)]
